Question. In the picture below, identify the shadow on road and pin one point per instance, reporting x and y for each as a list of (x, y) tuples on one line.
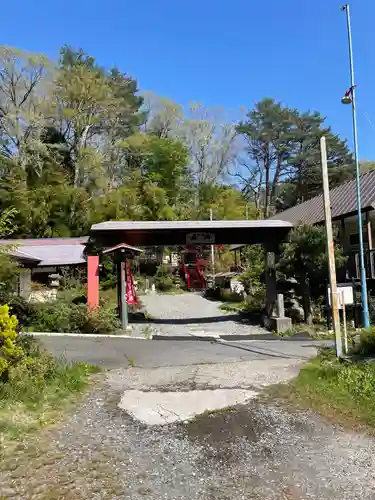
[(269, 352), (238, 318)]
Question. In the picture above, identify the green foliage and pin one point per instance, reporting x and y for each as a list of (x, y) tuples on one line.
[(229, 296), (366, 345), (163, 279), (341, 391), (304, 258), (63, 316), (35, 391), (108, 275), (253, 259), (9, 271), (10, 353), (252, 279), (19, 307)]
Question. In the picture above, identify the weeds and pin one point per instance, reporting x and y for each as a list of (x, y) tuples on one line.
[(341, 391), (130, 360), (147, 332), (29, 402)]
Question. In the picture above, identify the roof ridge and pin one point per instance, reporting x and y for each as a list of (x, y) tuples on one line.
[(343, 201)]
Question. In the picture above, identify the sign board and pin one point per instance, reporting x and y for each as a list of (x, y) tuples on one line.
[(200, 239), (348, 294)]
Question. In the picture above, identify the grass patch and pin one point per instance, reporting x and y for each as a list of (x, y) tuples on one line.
[(130, 360), (339, 390), (233, 307), (28, 403), (217, 411)]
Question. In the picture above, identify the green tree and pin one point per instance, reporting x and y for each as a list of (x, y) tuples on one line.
[(163, 161), (24, 81), (280, 165), (366, 166), (305, 161), (226, 202), (269, 142), (9, 268), (304, 258)]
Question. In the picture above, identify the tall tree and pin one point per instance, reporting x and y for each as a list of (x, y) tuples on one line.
[(163, 115), (211, 142), (94, 110), (305, 160), (24, 81), (281, 162), (268, 134)]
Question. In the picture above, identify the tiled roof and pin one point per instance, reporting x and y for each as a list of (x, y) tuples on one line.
[(49, 251), (45, 241), (197, 225), (343, 202)]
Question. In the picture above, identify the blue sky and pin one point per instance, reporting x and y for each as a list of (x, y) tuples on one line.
[(228, 53)]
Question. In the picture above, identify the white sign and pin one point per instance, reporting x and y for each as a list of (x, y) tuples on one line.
[(348, 294), (200, 238)]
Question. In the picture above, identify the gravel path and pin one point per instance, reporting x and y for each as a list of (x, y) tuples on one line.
[(191, 314), (257, 451)]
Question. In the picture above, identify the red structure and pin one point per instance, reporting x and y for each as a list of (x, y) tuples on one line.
[(193, 268), (93, 281)]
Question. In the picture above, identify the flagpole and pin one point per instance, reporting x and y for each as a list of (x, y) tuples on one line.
[(365, 311)]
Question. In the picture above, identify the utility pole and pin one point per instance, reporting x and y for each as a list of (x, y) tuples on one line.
[(330, 250), (212, 250), (349, 98)]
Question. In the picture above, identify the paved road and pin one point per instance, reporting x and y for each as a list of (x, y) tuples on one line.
[(191, 314), (111, 352)]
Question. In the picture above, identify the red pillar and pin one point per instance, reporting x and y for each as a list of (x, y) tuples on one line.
[(93, 281)]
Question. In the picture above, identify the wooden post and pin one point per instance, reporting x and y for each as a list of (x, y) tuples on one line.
[(344, 321), (369, 240), (121, 292), (330, 249)]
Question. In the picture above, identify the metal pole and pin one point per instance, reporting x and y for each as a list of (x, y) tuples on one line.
[(365, 312), (212, 251), (330, 250)]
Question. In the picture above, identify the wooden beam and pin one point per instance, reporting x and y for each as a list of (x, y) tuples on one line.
[(369, 241)]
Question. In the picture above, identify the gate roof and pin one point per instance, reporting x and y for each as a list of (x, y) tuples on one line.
[(169, 233)]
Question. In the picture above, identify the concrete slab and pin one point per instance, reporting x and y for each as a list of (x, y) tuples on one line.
[(160, 408)]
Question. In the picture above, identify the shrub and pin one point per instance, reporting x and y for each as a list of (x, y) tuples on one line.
[(9, 271), (21, 308), (103, 320), (10, 352), (65, 317), (256, 302), (54, 317), (366, 346), (213, 293), (37, 365), (163, 278), (229, 296)]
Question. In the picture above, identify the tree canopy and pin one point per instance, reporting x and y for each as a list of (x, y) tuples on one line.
[(79, 143)]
